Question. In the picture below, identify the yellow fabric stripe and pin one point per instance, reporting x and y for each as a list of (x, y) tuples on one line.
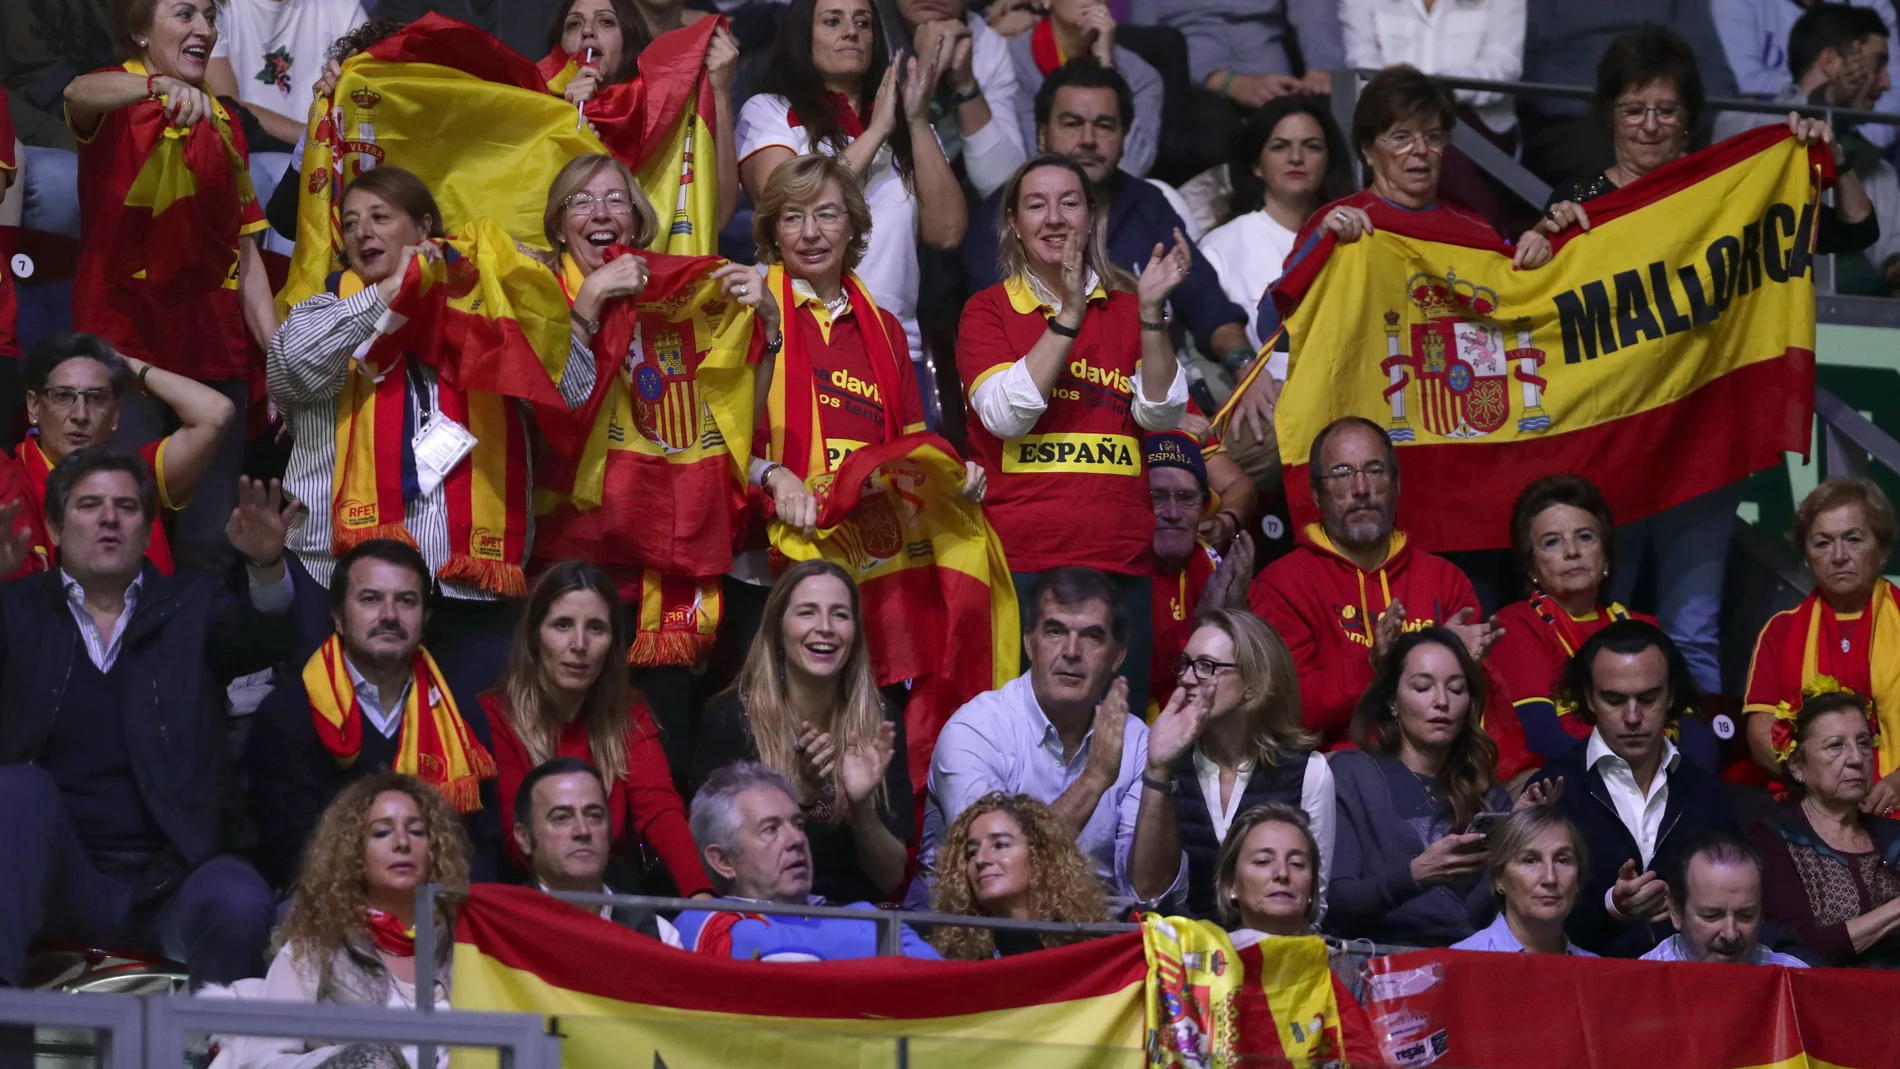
[(165, 499), (488, 418)]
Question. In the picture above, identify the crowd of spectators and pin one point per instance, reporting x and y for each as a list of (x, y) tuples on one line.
[(1029, 227)]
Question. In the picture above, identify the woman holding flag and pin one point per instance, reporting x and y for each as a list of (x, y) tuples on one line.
[(387, 443), (169, 269), (593, 57)]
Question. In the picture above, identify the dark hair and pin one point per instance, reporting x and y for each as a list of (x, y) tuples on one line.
[(1313, 472), (791, 74), (634, 37), (552, 767), (1250, 192), (362, 37), (1640, 57), (1547, 492), (1072, 585), (387, 550), (55, 349), (603, 710), (1395, 95), (73, 468), (1825, 26), (1084, 73), (131, 17), (401, 190), (1472, 763), (1626, 638), (1718, 845)]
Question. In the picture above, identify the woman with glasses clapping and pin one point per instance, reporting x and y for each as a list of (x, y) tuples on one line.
[(1251, 749)]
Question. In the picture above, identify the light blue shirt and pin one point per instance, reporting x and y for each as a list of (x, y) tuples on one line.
[(1002, 741), (1498, 937), (1671, 949)]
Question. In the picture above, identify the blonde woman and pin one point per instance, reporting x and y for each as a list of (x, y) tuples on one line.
[(1008, 856), (350, 936), (806, 706), (1252, 750)]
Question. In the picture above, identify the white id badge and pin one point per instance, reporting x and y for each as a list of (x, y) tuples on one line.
[(439, 448)]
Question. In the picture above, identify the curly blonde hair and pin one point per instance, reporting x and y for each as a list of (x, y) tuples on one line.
[(331, 904), (1060, 878)]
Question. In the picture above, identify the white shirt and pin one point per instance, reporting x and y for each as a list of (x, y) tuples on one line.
[(384, 714), (1009, 404), (277, 48), (1249, 252), (993, 153), (1463, 38), (1316, 798), (1641, 813), (889, 268)]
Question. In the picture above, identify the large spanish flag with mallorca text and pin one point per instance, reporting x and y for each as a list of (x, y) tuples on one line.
[(474, 120), (1132, 1001), (1674, 339), (938, 602)]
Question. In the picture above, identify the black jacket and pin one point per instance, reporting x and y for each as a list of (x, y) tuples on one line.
[(1281, 783), (294, 779), (1696, 803), (188, 637)]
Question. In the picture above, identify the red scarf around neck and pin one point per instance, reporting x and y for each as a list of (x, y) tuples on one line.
[(390, 935), (1043, 47), (847, 116), (804, 432)]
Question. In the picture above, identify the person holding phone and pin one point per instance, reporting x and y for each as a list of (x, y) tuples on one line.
[(1407, 864), (1535, 865)]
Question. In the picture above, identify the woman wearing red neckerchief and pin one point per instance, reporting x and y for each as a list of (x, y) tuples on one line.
[(350, 937)]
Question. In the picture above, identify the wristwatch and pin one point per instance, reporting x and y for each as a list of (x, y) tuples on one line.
[(959, 99), (591, 326)]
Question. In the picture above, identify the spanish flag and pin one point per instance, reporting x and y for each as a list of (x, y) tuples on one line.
[(621, 999), (938, 602), (660, 125), (651, 470), (1676, 338), (1541, 1011)]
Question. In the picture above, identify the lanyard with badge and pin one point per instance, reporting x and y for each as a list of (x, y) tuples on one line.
[(440, 442)]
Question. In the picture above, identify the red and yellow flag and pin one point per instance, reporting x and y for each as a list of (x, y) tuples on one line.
[(1519, 1011), (660, 125), (938, 602), (1680, 326)]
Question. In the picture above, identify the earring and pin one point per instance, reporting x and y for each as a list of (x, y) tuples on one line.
[(139, 41)]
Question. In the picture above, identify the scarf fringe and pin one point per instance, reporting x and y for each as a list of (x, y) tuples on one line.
[(465, 794), (656, 649), (496, 577)]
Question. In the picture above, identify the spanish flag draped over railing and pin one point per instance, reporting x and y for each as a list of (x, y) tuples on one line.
[(651, 470), (1675, 339), (474, 120), (622, 999), (939, 606), (661, 126)]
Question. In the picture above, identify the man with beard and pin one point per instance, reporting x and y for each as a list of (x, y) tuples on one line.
[(371, 698), (1189, 576), (1352, 585), (1715, 903)]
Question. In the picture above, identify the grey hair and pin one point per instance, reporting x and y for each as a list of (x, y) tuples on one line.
[(715, 815)]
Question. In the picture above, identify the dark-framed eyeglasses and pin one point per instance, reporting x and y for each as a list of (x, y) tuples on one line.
[(1202, 668)]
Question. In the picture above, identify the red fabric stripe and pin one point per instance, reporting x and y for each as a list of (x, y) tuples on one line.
[(653, 515), (574, 949), (1713, 437), (1042, 47), (436, 38)]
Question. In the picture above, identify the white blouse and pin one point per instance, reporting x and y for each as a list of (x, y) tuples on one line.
[(1460, 38)]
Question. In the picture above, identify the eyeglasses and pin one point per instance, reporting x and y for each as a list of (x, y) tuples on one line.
[(827, 219), (1406, 140), (64, 397), (1375, 472), (1187, 499), (582, 203), (1203, 668), (1633, 113)]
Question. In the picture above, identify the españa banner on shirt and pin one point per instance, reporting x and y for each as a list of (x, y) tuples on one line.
[(623, 1000), (1537, 1011), (938, 599), (475, 121), (1675, 338)]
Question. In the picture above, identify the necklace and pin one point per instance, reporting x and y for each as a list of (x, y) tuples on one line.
[(839, 305)]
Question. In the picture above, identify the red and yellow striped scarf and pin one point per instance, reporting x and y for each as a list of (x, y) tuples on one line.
[(1872, 663), (795, 416), (439, 749), (486, 495)]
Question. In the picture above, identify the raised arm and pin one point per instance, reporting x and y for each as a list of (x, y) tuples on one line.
[(310, 353), (204, 416), (942, 216)]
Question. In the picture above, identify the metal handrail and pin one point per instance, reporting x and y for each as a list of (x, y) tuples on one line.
[(119, 1020), (521, 1039), (1849, 439), (1714, 104)]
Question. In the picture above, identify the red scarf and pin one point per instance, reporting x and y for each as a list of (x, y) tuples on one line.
[(804, 432), (847, 117), (390, 935), (1043, 48), (1569, 634)]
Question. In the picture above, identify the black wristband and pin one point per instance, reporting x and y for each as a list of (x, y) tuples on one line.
[(1159, 327), (1055, 325), (1157, 785), (959, 99)]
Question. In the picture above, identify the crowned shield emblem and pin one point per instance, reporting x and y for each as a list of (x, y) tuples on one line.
[(659, 369), (1460, 361)]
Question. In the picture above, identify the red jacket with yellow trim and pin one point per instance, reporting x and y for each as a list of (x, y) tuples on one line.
[(1325, 608)]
